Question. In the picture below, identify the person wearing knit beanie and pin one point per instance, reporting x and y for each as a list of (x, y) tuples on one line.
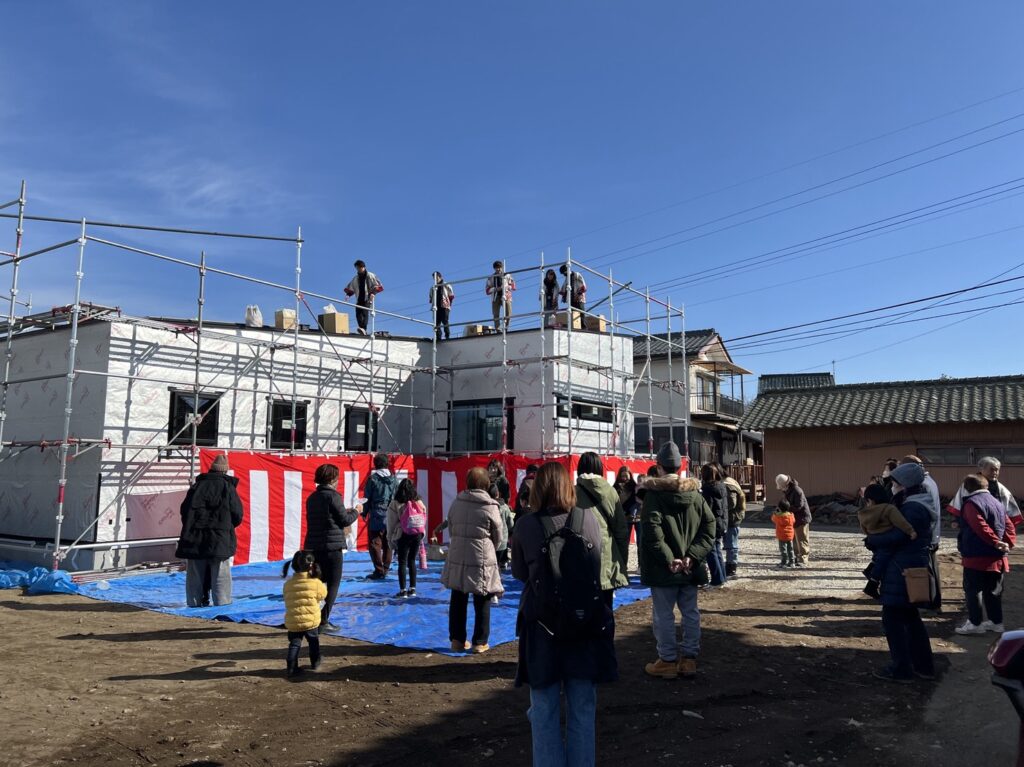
[(210, 513), (669, 458)]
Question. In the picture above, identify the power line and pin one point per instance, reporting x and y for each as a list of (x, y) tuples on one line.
[(787, 208), (876, 310), (881, 224), (752, 179)]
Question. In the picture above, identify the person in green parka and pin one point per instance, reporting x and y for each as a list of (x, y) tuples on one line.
[(594, 492), (678, 534)]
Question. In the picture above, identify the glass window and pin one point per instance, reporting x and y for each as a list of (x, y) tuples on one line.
[(587, 411), (946, 456), (179, 431), (475, 426), (357, 430), (1012, 455), (280, 414)]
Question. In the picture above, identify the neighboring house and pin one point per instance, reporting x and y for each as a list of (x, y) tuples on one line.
[(716, 401), (835, 438)]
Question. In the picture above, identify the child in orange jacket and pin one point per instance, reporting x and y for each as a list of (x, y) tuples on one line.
[(785, 533)]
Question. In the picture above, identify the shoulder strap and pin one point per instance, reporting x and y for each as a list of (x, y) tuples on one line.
[(547, 525), (575, 520)]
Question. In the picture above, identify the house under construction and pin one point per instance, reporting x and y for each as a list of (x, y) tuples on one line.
[(102, 411)]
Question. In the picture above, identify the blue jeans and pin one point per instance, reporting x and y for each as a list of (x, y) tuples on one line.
[(576, 749), (732, 546), (716, 565), (664, 600)]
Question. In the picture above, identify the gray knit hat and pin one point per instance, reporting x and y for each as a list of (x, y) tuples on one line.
[(220, 463), (669, 457), (908, 474)]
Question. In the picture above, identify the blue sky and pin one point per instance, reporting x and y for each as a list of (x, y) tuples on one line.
[(445, 135)]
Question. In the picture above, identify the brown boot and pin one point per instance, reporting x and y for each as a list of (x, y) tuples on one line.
[(687, 668), (666, 669)]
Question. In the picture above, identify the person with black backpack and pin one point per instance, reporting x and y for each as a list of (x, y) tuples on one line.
[(678, 535), (566, 629)]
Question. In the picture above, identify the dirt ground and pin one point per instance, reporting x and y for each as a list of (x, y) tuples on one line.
[(784, 680)]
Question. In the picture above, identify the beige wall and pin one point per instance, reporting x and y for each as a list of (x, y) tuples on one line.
[(843, 459)]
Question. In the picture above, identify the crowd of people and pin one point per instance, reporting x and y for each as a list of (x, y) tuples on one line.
[(568, 544), (499, 286)]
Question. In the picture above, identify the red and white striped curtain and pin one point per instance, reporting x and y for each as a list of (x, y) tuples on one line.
[(273, 489)]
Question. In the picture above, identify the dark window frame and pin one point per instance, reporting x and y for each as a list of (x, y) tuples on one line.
[(510, 423), (354, 442), (274, 429), (178, 417), (584, 410)]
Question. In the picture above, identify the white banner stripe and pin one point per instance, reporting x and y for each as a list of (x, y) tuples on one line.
[(350, 492), (423, 486), (259, 522), (449, 489), (292, 512)]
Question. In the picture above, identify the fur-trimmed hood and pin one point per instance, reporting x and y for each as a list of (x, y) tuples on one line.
[(671, 483)]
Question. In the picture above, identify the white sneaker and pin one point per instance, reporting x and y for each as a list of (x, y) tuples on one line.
[(970, 629), (990, 626)]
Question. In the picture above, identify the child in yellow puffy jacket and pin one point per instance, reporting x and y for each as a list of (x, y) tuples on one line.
[(303, 593)]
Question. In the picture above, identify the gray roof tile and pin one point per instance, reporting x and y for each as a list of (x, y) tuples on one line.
[(946, 400)]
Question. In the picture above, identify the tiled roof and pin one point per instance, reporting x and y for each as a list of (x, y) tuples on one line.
[(946, 400), (695, 341), (777, 381)]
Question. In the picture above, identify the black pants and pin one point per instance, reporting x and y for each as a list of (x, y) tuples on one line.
[(983, 588), (457, 610), (362, 316), (909, 645), (407, 549), (933, 562), (442, 322), (295, 644), (331, 564)]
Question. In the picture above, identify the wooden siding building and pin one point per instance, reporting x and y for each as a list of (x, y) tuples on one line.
[(835, 438)]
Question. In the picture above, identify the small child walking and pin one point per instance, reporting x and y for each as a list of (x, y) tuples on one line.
[(507, 522), (407, 523), (879, 516), (785, 533), (303, 593)]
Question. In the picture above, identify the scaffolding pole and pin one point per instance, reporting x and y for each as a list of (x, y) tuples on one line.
[(200, 303), (295, 342), (650, 377), (671, 382), (62, 479), (370, 431), (686, 386), (504, 373), (12, 310), (544, 367), (568, 349), (433, 373), (616, 445)]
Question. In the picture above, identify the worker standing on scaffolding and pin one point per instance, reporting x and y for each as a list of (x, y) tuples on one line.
[(364, 286), (440, 299), (499, 288), (574, 290)]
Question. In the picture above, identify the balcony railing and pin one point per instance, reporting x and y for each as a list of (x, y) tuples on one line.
[(718, 404)]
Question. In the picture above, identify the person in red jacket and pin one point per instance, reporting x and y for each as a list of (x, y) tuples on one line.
[(985, 535)]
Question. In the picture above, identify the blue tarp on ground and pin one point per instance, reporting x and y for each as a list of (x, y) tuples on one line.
[(38, 580), (365, 610)]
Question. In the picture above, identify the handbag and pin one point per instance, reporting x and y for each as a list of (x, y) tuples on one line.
[(921, 587)]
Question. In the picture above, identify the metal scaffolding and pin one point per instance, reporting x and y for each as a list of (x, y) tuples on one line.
[(564, 392)]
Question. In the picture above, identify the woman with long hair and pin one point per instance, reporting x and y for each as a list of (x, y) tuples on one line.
[(553, 664)]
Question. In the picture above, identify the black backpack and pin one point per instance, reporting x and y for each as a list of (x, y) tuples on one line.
[(573, 605)]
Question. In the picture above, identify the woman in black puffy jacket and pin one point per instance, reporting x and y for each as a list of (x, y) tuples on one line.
[(717, 496), (326, 520)]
